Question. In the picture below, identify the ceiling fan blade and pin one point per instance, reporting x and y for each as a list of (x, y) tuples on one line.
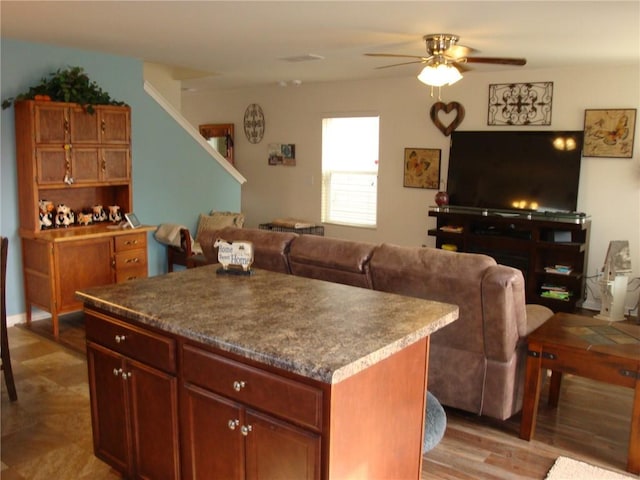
[(461, 67), (497, 60), (398, 64), (396, 55), (458, 51)]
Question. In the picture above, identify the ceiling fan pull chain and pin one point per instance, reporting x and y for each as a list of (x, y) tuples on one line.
[(439, 92)]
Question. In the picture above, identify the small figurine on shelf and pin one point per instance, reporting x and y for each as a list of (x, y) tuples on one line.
[(84, 218), (99, 215), (64, 216), (45, 214), (115, 215)]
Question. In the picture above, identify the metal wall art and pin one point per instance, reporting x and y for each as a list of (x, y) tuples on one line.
[(609, 133), (254, 123), (520, 103)]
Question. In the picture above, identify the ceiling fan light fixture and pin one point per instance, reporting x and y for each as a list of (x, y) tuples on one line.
[(439, 75)]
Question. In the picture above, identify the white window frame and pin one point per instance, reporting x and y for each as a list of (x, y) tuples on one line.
[(350, 173)]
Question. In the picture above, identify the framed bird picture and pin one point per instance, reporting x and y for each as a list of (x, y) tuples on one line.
[(609, 133)]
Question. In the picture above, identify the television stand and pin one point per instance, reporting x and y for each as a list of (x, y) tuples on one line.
[(550, 248)]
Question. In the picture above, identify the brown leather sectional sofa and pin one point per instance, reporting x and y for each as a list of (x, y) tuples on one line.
[(476, 363)]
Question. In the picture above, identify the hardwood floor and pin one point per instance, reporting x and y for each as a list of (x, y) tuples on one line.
[(47, 433)]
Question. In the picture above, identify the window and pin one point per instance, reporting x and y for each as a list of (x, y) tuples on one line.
[(350, 170)]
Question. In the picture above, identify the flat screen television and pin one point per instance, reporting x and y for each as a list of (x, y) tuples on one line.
[(535, 171)]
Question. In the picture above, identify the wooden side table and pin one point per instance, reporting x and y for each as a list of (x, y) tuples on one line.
[(584, 346)]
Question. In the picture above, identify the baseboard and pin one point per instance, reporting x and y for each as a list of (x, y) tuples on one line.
[(22, 317), (591, 305)]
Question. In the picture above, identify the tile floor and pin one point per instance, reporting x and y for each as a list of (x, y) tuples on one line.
[(46, 434)]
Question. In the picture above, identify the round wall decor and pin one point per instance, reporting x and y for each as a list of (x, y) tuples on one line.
[(254, 123)]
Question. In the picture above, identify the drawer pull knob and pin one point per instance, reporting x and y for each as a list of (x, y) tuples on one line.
[(233, 424), (133, 260), (245, 429), (239, 385), (131, 242), (120, 338)]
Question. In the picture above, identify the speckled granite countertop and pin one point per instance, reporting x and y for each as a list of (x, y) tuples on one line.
[(317, 329)]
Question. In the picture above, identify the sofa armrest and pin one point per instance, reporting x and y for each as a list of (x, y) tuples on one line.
[(504, 311)]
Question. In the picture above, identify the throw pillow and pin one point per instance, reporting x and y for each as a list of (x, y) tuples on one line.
[(238, 218), (218, 220)]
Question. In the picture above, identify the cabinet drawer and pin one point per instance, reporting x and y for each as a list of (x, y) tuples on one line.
[(148, 347), (131, 242), (127, 274), (131, 259), (252, 386)]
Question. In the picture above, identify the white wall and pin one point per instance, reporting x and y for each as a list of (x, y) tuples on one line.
[(161, 77), (609, 188)]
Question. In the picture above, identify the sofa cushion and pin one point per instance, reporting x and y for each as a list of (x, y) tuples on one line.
[(435, 274), (270, 249), (331, 259), (536, 316)]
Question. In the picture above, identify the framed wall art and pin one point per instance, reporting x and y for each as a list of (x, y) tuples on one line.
[(422, 167), (282, 154), (609, 133), (520, 103)]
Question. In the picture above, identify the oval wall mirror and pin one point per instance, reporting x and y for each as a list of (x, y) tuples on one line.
[(220, 137)]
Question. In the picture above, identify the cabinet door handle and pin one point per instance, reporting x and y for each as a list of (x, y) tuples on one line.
[(120, 338), (117, 371), (126, 375), (104, 126), (104, 164), (233, 424), (239, 385), (245, 429), (133, 260), (131, 242)]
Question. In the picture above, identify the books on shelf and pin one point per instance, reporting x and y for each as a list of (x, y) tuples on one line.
[(565, 296), (556, 292), (451, 229), (561, 269)]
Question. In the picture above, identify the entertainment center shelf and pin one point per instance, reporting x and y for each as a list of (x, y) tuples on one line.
[(549, 248)]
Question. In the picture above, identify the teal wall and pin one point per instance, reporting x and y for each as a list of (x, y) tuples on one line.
[(174, 179)]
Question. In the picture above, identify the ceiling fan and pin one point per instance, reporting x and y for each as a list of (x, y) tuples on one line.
[(445, 60)]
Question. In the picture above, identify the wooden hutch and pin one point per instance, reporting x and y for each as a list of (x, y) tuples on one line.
[(69, 156)]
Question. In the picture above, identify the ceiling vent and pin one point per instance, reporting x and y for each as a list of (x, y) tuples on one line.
[(303, 58)]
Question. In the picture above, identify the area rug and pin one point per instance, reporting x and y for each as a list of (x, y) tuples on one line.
[(568, 469)]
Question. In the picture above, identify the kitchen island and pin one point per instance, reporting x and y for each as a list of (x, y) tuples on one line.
[(199, 375)]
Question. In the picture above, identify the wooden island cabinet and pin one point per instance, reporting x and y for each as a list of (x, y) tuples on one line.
[(134, 395), (264, 376), (68, 155)]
